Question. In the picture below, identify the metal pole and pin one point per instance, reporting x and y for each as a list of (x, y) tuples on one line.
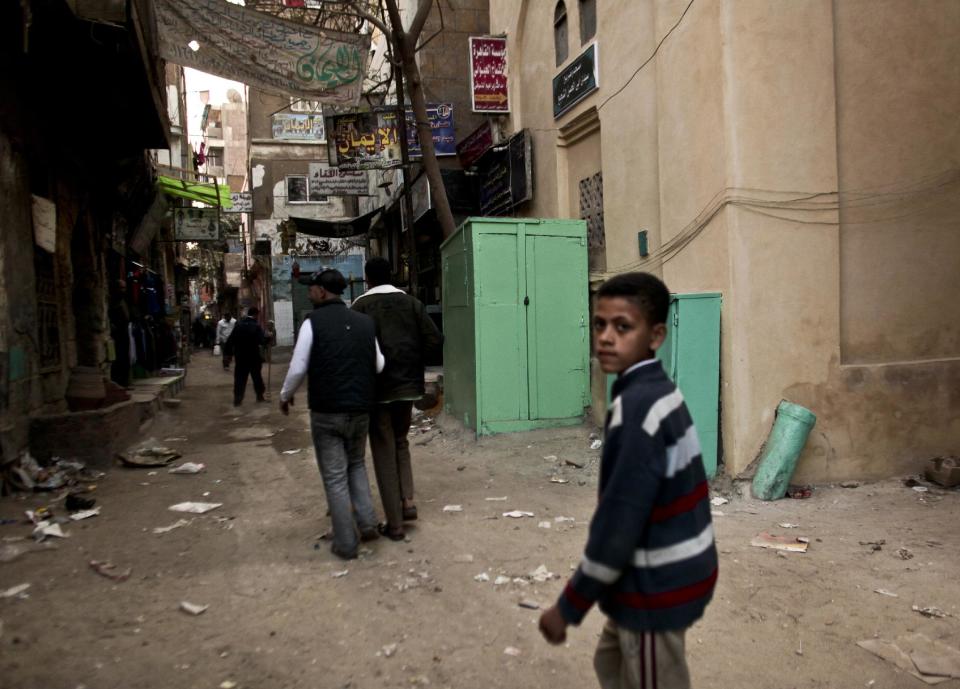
[(405, 159)]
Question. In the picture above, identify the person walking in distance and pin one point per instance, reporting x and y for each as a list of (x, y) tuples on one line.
[(224, 331), (337, 353), (408, 337), (244, 344)]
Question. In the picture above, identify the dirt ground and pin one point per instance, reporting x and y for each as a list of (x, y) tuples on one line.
[(280, 617)]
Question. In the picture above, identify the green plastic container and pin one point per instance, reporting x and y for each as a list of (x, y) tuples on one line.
[(782, 450)]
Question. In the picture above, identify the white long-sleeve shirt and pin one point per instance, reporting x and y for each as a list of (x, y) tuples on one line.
[(300, 363), (225, 329)]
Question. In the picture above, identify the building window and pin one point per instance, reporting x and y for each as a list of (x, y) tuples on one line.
[(588, 20), (215, 156), (298, 191), (560, 32)]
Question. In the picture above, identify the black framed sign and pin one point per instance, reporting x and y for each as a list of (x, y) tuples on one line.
[(577, 81)]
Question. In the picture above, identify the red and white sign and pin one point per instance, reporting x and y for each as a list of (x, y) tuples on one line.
[(488, 74)]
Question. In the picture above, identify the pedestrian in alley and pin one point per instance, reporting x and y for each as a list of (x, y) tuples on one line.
[(224, 330), (650, 560), (244, 344), (408, 336), (337, 352)]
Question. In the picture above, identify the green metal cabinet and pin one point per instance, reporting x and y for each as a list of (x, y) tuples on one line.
[(515, 311)]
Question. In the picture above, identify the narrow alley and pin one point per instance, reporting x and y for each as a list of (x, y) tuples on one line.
[(442, 609)]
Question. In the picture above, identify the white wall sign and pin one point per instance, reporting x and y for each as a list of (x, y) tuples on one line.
[(45, 224)]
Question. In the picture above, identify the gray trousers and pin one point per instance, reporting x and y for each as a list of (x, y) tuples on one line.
[(340, 442), (641, 660)]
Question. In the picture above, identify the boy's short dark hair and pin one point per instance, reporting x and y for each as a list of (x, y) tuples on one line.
[(253, 311), (645, 290), (331, 280), (377, 270)]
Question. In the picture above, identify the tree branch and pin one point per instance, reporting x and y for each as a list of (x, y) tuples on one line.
[(416, 27), (370, 17)]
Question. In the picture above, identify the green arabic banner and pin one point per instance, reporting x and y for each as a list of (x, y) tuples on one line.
[(264, 52)]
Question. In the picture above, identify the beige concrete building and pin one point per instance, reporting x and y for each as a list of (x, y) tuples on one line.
[(803, 159)]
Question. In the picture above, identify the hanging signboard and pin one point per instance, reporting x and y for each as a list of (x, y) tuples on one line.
[(441, 125), (578, 80), (506, 175), (488, 74), (475, 145), (195, 224), (45, 224), (242, 202), (293, 127), (262, 51), (364, 141), (332, 181)]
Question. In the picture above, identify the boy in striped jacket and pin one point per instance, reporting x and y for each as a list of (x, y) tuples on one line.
[(650, 561)]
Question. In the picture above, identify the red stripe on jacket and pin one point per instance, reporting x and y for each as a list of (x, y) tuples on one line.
[(576, 600), (669, 599), (682, 504)]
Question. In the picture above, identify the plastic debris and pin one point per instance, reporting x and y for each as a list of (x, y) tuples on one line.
[(930, 611), (195, 507), (292, 452), (46, 530), (188, 468), (529, 604), (717, 501), (482, 577), (453, 508), (75, 502), (550, 458), (228, 684), (149, 457), (920, 489), (15, 591), (389, 650), (788, 525), (558, 479), (518, 514), (501, 580), (884, 592), (561, 520), (192, 608), (85, 514), (503, 499), (786, 543), (596, 444), (107, 569), (545, 525), (176, 525), (542, 574), (340, 574), (511, 651)]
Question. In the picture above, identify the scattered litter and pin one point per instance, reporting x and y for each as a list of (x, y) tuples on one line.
[(47, 530), (463, 559), (874, 546), (15, 591), (550, 458), (76, 502), (884, 592), (718, 501), (788, 525), (944, 471), (921, 489), (596, 444), (228, 684), (482, 577), (850, 484), (188, 468), (799, 492), (517, 514), (930, 612), (529, 604), (545, 525), (193, 608), (195, 507), (561, 520), (149, 457), (106, 569), (558, 479), (41, 514), (389, 650), (542, 574), (167, 529), (293, 452), (511, 651), (787, 543), (453, 508), (85, 514), (904, 553), (571, 463), (916, 654), (340, 574), (503, 499), (501, 580), (61, 473)]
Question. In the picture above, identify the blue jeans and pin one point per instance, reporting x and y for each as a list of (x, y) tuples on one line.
[(340, 441)]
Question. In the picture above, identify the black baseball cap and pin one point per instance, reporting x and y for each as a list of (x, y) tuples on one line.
[(331, 280)]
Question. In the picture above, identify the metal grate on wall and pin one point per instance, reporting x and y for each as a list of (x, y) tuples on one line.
[(591, 210)]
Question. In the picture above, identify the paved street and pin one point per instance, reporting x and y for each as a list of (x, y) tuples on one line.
[(412, 614)]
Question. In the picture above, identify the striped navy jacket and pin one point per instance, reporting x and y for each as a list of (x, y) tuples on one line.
[(650, 560)]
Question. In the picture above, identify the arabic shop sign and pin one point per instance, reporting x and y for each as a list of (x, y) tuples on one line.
[(475, 145), (291, 127), (488, 74), (576, 82), (195, 224), (506, 175), (242, 202), (364, 141), (262, 51), (441, 126), (332, 181)]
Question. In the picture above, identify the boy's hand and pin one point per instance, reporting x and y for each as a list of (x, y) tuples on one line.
[(285, 406), (553, 626)]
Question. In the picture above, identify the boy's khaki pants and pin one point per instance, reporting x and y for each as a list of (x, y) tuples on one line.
[(641, 660)]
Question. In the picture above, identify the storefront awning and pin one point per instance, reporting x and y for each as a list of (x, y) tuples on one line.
[(336, 228), (204, 192)]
